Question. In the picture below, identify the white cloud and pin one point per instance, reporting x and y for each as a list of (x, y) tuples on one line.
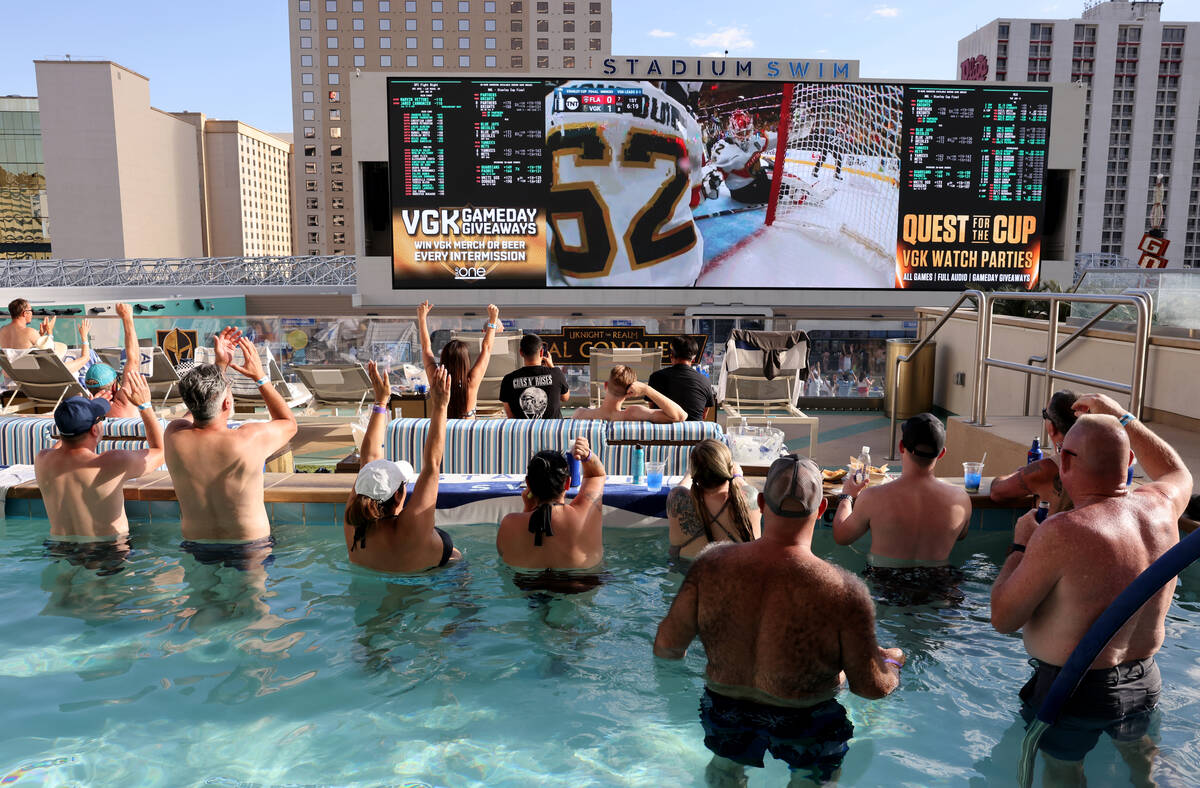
[(731, 38), (656, 33), (885, 11)]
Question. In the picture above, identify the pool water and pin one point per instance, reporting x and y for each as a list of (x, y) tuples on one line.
[(313, 672)]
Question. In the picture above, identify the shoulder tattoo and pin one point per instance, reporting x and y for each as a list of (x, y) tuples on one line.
[(680, 504)]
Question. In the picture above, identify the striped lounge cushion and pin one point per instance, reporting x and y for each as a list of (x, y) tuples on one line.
[(618, 460), (22, 437), (489, 445)]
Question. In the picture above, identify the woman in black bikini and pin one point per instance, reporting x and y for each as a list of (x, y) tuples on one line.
[(716, 486), (464, 377), (400, 526)]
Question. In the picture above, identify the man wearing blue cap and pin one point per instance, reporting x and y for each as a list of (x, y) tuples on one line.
[(84, 490), (101, 379)]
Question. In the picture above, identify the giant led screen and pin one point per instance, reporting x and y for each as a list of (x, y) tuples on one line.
[(609, 183)]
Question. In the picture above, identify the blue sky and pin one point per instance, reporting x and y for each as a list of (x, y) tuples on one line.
[(232, 62)]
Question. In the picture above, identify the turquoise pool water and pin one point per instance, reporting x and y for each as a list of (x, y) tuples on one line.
[(312, 672)]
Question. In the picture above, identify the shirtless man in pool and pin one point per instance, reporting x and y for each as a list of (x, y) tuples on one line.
[(782, 630), (218, 472)]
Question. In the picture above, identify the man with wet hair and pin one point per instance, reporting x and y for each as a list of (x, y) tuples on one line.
[(622, 384), (781, 629), (218, 471), (1041, 478), (1059, 577), (914, 521), (682, 384), (84, 489)]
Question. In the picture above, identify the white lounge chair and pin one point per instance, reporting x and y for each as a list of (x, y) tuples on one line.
[(643, 361), (296, 395), (41, 376), (336, 385), (746, 392)]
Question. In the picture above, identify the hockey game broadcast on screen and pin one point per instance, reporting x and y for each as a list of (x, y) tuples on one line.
[(723, 184)]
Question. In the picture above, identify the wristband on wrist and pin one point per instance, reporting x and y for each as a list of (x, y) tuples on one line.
[(143, 406), (491, 325), (1128, 417), (381, 409), (588, 457), (845, 497), (890, 661), (264, 380), (1016, 548)]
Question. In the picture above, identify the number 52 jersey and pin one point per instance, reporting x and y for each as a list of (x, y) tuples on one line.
[(625, 161)]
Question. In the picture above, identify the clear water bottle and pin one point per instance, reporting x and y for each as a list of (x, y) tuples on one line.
[(639, 464), (864, 463)]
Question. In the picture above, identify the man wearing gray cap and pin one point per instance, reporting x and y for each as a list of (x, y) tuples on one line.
[(781, 629), (914, 521)]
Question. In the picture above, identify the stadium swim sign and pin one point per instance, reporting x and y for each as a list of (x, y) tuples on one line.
[(641, 67)]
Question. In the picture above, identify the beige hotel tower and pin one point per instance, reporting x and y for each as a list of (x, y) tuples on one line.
[(333, 42)]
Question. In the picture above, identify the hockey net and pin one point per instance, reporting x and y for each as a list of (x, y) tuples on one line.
[(846, 130)]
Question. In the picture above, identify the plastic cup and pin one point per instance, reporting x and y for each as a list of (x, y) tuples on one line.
[(654, 476), (972, 476)]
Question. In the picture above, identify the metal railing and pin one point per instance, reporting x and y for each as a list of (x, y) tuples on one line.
[(315, 271), (1140, 300), (981, 300)]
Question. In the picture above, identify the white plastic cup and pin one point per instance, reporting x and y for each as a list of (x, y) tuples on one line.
[(972, 476)]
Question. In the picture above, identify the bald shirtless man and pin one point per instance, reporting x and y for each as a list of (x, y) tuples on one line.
[(622, 384), (914, 521), (782, 630), (218, 472), (1061, 575), (84, 490)]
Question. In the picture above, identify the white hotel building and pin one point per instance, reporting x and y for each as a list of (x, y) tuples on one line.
[(1143, 114)]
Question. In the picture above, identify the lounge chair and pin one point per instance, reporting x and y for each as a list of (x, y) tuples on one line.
[(748, 390), (336, 385), (41, 376), (643, 361), (161, 375), (296, 395)]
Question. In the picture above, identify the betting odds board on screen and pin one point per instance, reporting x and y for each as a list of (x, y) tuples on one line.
[(615, 183)]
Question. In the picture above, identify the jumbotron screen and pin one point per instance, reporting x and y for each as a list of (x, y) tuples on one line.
[(609, 183)]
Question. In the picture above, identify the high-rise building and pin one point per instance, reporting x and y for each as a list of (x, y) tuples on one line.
[(335, 41), (24, 218), (128, 180), (1143, 115)]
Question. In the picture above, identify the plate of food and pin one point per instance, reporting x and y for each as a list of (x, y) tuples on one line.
[(874, 473)]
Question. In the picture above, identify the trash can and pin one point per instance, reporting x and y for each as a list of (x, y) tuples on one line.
[(914, 391)]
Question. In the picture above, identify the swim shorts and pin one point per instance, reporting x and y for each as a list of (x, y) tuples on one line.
[(235, 555), (1117, 701), (557, 582), (106, 557), (915, 585), (813, 738)]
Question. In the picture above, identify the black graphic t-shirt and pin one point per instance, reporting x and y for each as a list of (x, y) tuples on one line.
[(534, 392), (686, 387)]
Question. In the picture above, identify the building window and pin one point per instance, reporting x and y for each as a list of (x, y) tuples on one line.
[(410, 42), (359, 42), (543, 61), (489, 61), (385, 42), (305, 6), (489, 25), (358, 24), (464, 43), (489, 43), (516, 61), (306, 60), (310, 150), (543, 43), (464, 6), (438, 61), (331, 24), (310, 203), (464, 61), (386, 60), (543, 7), (516, 7), (542, 25), (310, 168), (439, 42), (338, 220), (385, 6), (356, 6), (339, 238), (435, 6), (334, 78), (306, 78), (410, 24), (310, 186), (516, 43), (515, 26), (569, 7), (310, 132), (331, 61), (307, 97), (314, 252), (568, 44), (305, 23), (489, 6), (331, 42), (568, 25), (437, 25), (385, 24), (464, 25), (337, 203), (310, 114), (335, 96), (335, 132), (593, 8), (335, 114), (314, 220), (335, 150), (331, 6), (336, 168), (305, 42), (594, 26), (337, 186), (314, 238), (569, 61), (594, 44), (360, 61)]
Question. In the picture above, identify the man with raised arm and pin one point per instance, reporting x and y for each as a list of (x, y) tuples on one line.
[(19, 336), (1059, 577), (782, 630), (101, 380), (83, 489), (622, 384), (914, 521), (218, 471)]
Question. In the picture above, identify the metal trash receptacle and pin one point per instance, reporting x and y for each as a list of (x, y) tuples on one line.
[(914, 391)]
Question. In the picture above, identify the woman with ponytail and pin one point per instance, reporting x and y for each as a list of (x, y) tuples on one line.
[(719, 506), (385, 528), (464, 376)]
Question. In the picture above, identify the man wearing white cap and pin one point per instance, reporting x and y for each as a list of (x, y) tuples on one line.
[(385, 528)]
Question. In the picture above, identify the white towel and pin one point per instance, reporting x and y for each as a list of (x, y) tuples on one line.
[(13, 475)]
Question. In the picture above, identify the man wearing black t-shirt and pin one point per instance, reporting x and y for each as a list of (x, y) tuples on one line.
[(682, 384), (536, 390)]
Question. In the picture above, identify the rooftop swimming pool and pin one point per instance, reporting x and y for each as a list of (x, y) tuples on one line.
[(312, 672)]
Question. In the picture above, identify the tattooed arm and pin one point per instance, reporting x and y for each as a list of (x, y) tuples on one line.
[(682, 518)]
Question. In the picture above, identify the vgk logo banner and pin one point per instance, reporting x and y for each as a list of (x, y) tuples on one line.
[(953, 251), (179, 344)]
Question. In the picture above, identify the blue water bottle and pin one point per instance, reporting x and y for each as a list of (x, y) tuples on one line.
[(639, 465), (576, 469), (1035, 452), (1129, 473)]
